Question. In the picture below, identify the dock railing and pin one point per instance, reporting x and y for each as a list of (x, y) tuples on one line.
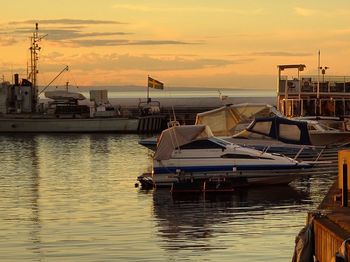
[(309, 84)]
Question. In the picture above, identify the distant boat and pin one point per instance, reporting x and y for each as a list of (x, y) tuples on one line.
[(20, 110), (192, 153)]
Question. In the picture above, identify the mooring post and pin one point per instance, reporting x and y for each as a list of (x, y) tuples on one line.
[(344, 199)]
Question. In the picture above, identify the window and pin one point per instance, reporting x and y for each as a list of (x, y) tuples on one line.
[(262, 127), (201, 144), (291, 132)]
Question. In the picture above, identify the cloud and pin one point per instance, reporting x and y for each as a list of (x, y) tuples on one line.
[(147, 8), (279, 53), (121, 42), (64, 34), (112, 62), (273, 53), (66, 22), (329, 13), (304, 11), (78, 35), (8, 40)]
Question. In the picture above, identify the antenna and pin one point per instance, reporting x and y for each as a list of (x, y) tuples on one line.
[(66, 68), (223, 98), (34, 51)]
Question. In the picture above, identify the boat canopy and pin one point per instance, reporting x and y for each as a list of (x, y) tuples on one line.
[(279, 128), (224, 121), (64, 95), (176, 136)]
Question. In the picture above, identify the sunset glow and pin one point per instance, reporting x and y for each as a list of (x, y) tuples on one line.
[(182, 43)]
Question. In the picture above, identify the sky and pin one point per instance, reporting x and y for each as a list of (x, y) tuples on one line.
[(183, 43)]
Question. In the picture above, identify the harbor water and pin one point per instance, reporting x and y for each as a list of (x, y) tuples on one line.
[(71, 197)]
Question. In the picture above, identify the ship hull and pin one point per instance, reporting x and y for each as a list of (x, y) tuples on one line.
[(68, 125)]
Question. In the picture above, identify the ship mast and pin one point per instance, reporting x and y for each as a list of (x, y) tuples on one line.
[(34, 51)]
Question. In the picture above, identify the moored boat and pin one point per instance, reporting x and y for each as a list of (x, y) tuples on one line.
[(21, 110), (192, 153)]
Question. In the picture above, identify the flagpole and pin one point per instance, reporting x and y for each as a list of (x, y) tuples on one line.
[(147, 90), (318, 83)]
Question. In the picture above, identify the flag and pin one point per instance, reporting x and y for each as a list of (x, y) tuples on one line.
[(152, 83)]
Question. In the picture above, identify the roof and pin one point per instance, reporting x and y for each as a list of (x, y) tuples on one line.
[(300, 67)]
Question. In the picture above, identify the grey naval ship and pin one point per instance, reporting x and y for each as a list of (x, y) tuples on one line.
[(64, 111)]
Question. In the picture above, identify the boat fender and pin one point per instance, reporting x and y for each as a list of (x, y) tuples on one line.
[(342, 254), (304, 248)]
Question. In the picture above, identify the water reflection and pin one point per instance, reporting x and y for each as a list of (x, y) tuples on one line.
[(194, 221), (20, 175), (69, 196), (35, 189)]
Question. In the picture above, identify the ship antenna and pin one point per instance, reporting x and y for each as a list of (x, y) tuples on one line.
[(34, 51), (66, 68)]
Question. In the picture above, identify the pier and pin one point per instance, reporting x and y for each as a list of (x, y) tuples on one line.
[(330, 224)]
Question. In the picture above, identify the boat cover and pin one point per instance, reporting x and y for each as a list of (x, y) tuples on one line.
[(177, 136), (279, 128), (64, 95), (223, 121)]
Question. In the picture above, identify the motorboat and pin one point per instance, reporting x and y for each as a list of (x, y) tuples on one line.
[(226, 120), (301, 140), (233, 118), (193, 153), (295, 131)]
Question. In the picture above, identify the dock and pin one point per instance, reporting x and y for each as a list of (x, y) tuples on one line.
[(330, 223)]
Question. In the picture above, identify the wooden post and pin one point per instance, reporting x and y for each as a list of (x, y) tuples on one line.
[(344, 200)]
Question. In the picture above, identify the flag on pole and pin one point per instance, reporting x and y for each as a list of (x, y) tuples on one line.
[(152, 83)]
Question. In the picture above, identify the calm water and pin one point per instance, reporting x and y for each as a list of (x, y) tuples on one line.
[(175, 92), (72, 198)]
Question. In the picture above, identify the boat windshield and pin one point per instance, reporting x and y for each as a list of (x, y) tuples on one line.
[(219, 141), (322, 127)]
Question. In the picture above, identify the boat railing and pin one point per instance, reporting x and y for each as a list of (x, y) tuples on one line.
[(319, 154), (265, 149), (299, 152), (308, 147)]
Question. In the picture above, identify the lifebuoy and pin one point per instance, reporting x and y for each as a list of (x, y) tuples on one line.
[(306, 84)]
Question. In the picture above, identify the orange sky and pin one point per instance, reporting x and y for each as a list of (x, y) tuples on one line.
[(219, 44)]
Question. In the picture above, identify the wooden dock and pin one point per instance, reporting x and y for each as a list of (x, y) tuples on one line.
[(331, 222)]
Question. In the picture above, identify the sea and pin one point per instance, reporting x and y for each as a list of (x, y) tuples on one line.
[(168, 92), (75, 197)]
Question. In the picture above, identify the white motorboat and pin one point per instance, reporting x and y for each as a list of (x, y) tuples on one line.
[(192, 153)]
